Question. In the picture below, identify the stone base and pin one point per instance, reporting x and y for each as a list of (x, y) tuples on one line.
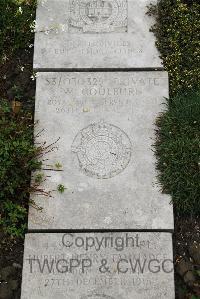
[(98, 266)]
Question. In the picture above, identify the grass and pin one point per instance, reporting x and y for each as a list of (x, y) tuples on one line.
[(18, 155), (16, 26), (177, 31), (178, 152), (18, 158)]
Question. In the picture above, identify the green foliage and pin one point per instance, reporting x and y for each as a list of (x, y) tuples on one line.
[(61, 188), (18, 158), (177, 30), (13, 219), (17, 92), (16, 24), (178, 151), (58, 165), (39, 178)]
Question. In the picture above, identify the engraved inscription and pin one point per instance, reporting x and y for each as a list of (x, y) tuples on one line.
[(97, 296), (98, 16), (97, 94), (103, 150), (98, 47)]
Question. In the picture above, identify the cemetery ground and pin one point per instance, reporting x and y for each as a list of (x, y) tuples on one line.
[(177, 146)]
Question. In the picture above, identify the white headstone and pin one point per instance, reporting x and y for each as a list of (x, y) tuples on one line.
[(98, 266), (105, 125), (94, 34)]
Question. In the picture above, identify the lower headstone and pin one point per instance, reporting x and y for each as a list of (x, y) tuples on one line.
[(120, 265)]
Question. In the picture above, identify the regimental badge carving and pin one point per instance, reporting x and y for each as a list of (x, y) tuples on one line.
[(103, 150), (98, 16)]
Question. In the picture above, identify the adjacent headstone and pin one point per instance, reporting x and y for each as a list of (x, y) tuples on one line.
[(98, 266), (103, 128), (94, 34)]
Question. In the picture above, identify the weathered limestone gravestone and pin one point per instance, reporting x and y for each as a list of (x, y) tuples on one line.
[(98, 266), (105, 122), (94, 34), (108, 236)]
